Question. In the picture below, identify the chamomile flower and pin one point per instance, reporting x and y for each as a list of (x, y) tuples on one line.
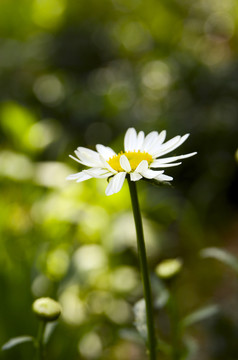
[(141, 158)]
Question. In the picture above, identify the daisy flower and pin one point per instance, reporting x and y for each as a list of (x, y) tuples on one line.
[(141, 158)]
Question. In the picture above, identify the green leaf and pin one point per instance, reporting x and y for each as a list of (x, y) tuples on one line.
[(50, 327), (222, 255), (16, 341), (199, 315)]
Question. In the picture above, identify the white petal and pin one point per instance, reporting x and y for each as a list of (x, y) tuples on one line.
[(106, 165), (156, 146), (171, 145), (125, 164), (140, 140), (88, 157), (98, 173), (76, 159), (115, 183), (170, 159), (83, 177), (105, 151), (88, 161), (135, 176), (130, 140), (162, 136), (109, 189), (164, 165), (74, 176), (86, 151), (143, 165), (149, 141), (164, 178), (150, 174)]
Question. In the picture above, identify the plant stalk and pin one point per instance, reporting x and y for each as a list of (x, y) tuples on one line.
[(151, 341), (40, 340)]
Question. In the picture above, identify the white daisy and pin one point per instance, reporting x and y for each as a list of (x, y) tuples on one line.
[(141, 159)]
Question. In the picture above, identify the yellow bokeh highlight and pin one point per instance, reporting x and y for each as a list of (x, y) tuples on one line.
[(16, 121), (48, 13), (57, 264), (169, 268)]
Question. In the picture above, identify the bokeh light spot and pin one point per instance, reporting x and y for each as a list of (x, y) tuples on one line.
[(48, 13), (219, 27), (119, 311), (134, 36), (51, 174), (57, 264), (49, 89), (74, 312), (43, 133), (156, 75), (90, 257), (16, 121), (15, 166), (40, 286), (90, 345), (124, 279)]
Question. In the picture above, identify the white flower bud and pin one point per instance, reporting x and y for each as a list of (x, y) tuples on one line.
[(46, 309)]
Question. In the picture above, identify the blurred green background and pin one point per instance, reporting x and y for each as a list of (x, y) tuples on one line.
[(78, 73)]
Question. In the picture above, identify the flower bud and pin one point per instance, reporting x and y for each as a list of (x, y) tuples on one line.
[(168, 268), (46, 309)]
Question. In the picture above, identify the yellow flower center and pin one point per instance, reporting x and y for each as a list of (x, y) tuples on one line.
[(134, 157)]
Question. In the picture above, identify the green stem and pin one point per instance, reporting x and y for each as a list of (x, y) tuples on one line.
[(40, 340), (144, 269)]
